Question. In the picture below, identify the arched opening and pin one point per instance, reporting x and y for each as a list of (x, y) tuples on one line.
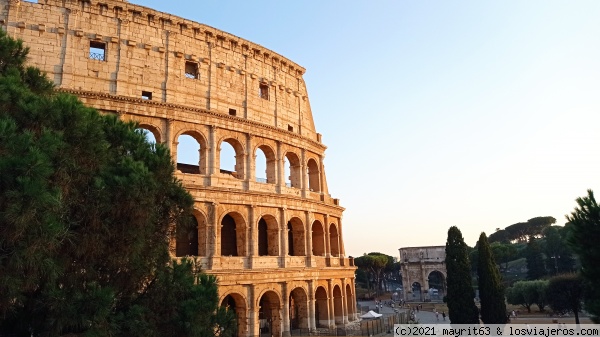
[(231, 158), (186, 243), (298, 309), (268, 236), (296, 240), (236, 302), (233, 235), (321, 310), (265, 165), (338, 306), (416, 292), (437, 285), (318, 239), (349, 302), (314, 176), (334, 240), (151, 134), (293, 168), (191, 154), (269, 314)]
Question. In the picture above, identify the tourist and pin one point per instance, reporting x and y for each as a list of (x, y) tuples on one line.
[(444, 315)]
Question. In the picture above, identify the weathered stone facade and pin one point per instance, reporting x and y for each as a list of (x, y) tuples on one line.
[(423, 269), (276, 248)]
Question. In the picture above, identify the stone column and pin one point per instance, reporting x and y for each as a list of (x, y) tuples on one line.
[(279, 167), (344, 302), (330, 305), (253, 236), (311, 306), (308, 226), (253, 322), (283, 253), (213, 151), (327, 236), (322, 180), (213, 231), (303, 177), (250, 160), (286, 310), (340, 240)]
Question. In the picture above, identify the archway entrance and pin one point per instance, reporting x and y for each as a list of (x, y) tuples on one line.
[(437, 285), (236, 302), (269, 315), (298, 309), (338, 307), (416, 292), (349, 302), (321, 308)]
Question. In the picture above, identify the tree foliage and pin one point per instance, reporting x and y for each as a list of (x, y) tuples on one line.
[(491, 291), (87, 207), (585, 231), (565, 294), (374, 264), (460, 296), (520, 231), (559, 256), (535, 260), (528, 293)]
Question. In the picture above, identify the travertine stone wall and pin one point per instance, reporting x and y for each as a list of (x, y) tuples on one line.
[(417, 264), (276, 247)]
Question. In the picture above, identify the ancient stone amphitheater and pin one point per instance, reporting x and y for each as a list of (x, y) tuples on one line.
[(275, 244)]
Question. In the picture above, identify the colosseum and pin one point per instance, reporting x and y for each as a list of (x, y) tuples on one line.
[(275, 244)]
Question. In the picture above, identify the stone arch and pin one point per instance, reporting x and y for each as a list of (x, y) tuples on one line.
[(314, 175), (296, 237), (436, 284), (199, 166), (417, 291), (153, 129), (321, 308), (338, 305), (294, 169), (349, 301), (318, 239), (268, 236), (237, 302), (270, 164), (239, 168), (334, 240), (298, 300), (269, 314), (233, 235), (186, 242)]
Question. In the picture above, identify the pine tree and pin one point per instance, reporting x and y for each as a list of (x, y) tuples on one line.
[(585, 231), (491, 291), (86, 206), (460, 297), (535, 260)]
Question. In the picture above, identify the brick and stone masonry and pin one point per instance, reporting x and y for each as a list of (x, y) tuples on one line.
[(274, 244)]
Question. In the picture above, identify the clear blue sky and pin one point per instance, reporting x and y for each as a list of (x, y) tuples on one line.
[(475, 114)]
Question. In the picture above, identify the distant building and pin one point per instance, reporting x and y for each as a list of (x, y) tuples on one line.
[(423, 272)]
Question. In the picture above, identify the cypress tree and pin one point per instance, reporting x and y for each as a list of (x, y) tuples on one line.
[(491, 292), (461, 306), (585, 231)]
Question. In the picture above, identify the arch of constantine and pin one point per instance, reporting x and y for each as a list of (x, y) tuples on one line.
[(275, 244), (423, 272)]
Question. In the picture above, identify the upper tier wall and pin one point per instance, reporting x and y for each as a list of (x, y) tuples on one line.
[(147, 51)]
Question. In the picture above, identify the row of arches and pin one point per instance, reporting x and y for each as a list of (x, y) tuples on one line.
[(297, 310), (233, 235), (192, 152)]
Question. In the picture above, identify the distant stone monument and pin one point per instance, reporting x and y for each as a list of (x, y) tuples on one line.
[(423, 272)]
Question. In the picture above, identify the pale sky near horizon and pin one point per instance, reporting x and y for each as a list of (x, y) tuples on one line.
[(475, 114)]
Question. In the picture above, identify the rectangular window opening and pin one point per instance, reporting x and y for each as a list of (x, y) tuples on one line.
[(290, 128), (264, 91), (191, 70), (232, 112), (147, 95), (97, 50)]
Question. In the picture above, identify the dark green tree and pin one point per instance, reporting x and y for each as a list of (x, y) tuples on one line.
[(559, 256), (460, 296), (491, 291), (585, 231), (374, 264), (565, 294), (87, 207), (535, 260), (528, 293)]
